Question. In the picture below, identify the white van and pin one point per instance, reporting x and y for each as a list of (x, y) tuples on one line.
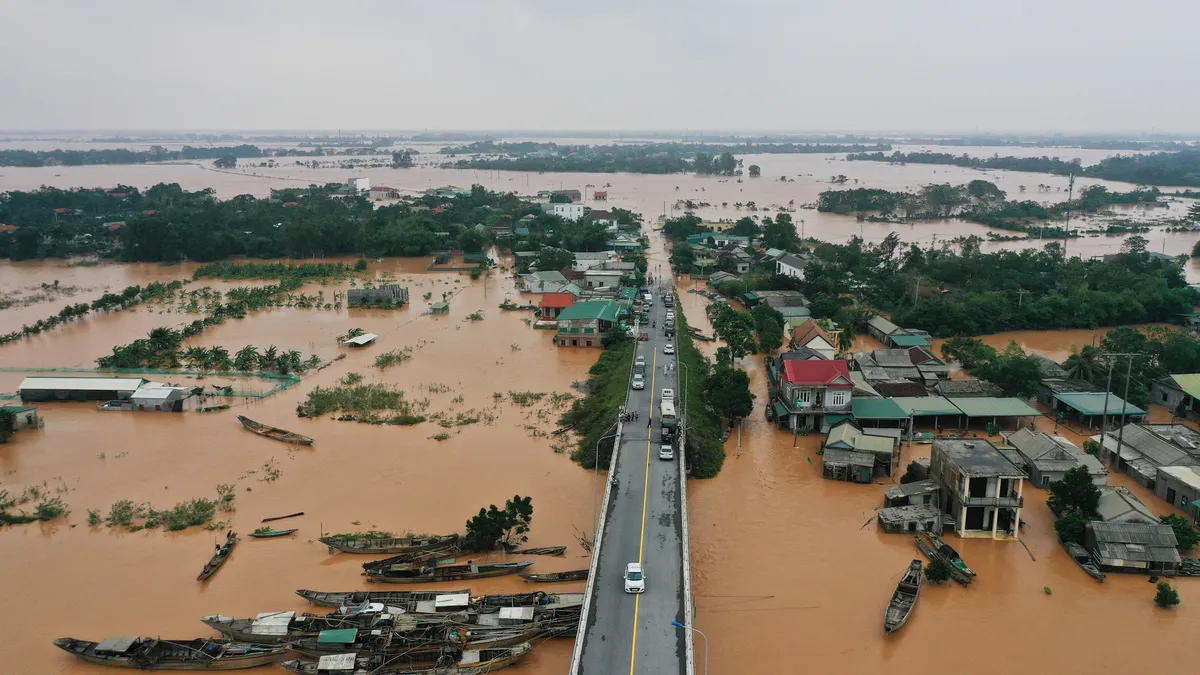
[(666, 414)]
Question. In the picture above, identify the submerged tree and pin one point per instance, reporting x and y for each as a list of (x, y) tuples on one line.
[(494, 527), (938, 570), (1075, 492), (1166, 597)]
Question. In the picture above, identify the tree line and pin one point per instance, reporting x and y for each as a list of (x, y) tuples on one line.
[(1180, 167), (156, 153)]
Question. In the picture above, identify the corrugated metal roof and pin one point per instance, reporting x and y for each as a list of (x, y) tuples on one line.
[(1092, 403), (909, 341), (364, 339), (984, 406), (83, 383), (1189, 383), (882, 325), (922, 406), (1138, 542), (1118, 504), (1188, 475), (877, 409)]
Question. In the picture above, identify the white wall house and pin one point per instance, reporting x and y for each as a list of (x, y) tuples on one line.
[(359, 183), (791, 265), (569, 211)]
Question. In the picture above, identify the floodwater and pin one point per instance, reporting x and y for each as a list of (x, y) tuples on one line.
[(66, 578), (790, 568)]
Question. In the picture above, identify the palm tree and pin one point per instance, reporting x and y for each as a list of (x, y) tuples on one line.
[(246, 358), (845, 339), (218, 359), (195, 357), (1085, 364), (268, 359)]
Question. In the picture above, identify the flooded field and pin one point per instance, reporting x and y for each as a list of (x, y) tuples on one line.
[(72, 579), (790, 568)]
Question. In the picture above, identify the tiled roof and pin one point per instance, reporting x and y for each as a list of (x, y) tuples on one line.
[(557, 300), (808, 331), (817, 372)]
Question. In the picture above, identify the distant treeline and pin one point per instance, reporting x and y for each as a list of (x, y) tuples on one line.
[(979, 201), (1159, 168), (31, 158), (1086, 142), (522, 148)]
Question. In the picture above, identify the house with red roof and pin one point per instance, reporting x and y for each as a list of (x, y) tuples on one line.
[(8, 228), (600, 196), (149, 212), (553, 304), (291, 203), (809, 334), (118, 195), (114, 226), (812, 395), (62, 211)]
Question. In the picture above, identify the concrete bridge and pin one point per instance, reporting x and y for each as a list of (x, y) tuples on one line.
[(643, 518)]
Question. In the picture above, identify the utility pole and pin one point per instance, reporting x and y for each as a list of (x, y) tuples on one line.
[(1124, 404), (1067, 228), (917, 290), (1107, 390), (1021, 296)]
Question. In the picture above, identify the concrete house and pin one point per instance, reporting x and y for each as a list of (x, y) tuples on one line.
[(880, 328), (553, 304), (882, 365), (967, 389), (932, 368), (1179, 486), (791, 265), (584, 323), (810, 335), (601, 217), (1048, 458), (811, 390), (1176, 391), (912, 507), (916, 493), (570, 212), (24, 416), (846, 435), (544, 282), (1133, 547), (1119, 505), (1145, 448), (573, 195), (602, 278), (981, 488), (386, 294)]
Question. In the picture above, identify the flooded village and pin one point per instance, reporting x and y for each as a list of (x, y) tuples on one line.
[(861, 438)]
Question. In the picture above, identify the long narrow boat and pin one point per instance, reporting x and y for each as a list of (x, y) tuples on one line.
[(545, 550), (536, 599), (469, 662), (274, 432), (390, 598), (904, 598), (214, 563), (449, 550), (155, 654), (410, 574), (945, 549), (552, 577), (420, 648), (267, 533), (1084, 559), (955, 573), (354, 544), (276, 627)]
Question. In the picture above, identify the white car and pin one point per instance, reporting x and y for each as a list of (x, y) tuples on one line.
[(635, 578), (639, 361), (668, 394), (668, 348), (639, 382), (665, 451), (670, 316)]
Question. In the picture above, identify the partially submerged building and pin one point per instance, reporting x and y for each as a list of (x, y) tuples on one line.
[(981, 488), (1144, 448), (24, 416), (848, 465), (78, 388), (360, 340), (810, 391), (1177, 393), (393, 295), (1133, 547), (1047, 458), (584, 323), (1179, 486), (917, 493), (1119, 505), (846, 435), (910, 519)]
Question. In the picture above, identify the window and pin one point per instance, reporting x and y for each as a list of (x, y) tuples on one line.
[(837, 399), (1164, 397), (1045, 480), (588, 343), (804, 396)]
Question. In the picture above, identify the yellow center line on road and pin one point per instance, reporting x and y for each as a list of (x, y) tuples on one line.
[(637, 600)]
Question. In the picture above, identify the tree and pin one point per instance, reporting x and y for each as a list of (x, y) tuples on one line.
[(1166, 597), (403, 159), (1075, 492), (938, 570), (361, 265), (736, 329), (727, 391), (1194, 212), (494, 527), (1086, 364), (1135, 244), (246, 358), (968, 351), (1071, 526), (1185, 533), (912, 474), (551, 259), (226, 162), (768, 326), (8, 424), (1013, 371), (745, 227), (781, 233), (755, 171)]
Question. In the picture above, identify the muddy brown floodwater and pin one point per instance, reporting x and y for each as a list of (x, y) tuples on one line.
[(68, 579)]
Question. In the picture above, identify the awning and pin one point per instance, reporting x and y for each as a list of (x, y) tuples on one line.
[(780, 409), (877, 409), (836, 419)]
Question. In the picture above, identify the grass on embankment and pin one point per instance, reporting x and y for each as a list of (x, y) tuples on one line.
[(705, 449), (595, 415)]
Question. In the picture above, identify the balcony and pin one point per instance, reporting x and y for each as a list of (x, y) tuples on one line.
[(803, 408), (1012, 502)]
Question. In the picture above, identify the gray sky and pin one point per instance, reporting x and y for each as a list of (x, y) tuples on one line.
[(954, 65)]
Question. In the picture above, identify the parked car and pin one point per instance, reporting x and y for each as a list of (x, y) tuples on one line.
[(639, 381), (667, 348), (667, 434), (668, 394), (644, 337), (665, 451), (635, 578)]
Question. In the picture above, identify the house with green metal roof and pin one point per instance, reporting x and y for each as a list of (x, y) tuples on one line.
[(584, 323), (878, 412), (1177, 393)]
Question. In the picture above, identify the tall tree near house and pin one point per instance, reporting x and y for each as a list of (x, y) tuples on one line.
[(727, 391), (1075, 492), (736, 329)]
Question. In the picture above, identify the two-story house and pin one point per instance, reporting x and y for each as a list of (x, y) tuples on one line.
[(809, 391), (981, 488), (791, 265), (583, 324)]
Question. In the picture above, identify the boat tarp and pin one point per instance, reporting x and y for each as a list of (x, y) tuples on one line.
[(336, 662), (341, 635)]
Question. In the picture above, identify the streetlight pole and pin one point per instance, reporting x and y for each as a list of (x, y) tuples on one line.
[(694, 630), (596, 485)]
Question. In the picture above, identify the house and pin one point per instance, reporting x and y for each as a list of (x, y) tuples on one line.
[(812, 336), (388, 295), (900, 389), (553, 304), (8, 228), (1048, 458), (932, 368), (24, 416), (157, 399), (359, 184), (601, 217), (1177, 393), (1049, 368), (1084, 402), (809, 391), (78, 388), (917, 493), (910, 519), (1179, 486), (981, 488), (846, 435), (586, 260), (791, 265), (880, 328), (600, 196), (719, 277), (847, 465), (439, 308), (717, 239), (1144, 448), (789, 311), (544, 282), (1119, 505), (114, 226), (967, 388), (740, 260), (882, 365), (360, 340), (801, 354), (1133, 547), (618, 266), (583, 324), (597, 278), (905, 338), (573, 195), (572, 212), (379, 193)]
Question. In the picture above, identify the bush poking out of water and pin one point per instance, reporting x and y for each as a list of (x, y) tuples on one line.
[(226, 497), (475, 316), (525, 398), (123, 513), (271, 472), (49, 509), (186, 514), (388, 359), (351, 379), (441, 437), (1166, 597), (369, 535), (938, 570), (94, 517), (360, 398)]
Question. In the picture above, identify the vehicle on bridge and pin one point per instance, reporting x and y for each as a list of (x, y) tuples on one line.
[(668, 394), (668, 348), (665, 451), (635, 578), (666, 414), (639, 382)]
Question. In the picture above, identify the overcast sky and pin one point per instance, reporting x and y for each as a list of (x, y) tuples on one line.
[(953, 65)]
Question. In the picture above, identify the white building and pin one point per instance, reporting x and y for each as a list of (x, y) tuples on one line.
[(359, 183), (791, 265), (569, 211)]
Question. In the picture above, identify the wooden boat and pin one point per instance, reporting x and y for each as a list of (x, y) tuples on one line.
[(214, 563), (213, 408), (411, 574), (276, 627), (536, 599), (347, 544), (274, 432), (390, 598), (955, 573), (552, 577), (290, 515), (452, 662), (423, 647), (545, 550), (267, 533), (1084, 559), (951, 555), (904, 598), (436, 555), (155, 654)]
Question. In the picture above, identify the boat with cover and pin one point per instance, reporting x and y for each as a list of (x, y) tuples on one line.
[(440, 556), (552, 577), (155, 654), (955, 573), (405, 599), (904, 598), (360, 544), (275, 627), (214, 563), (423, 574), (421, 647), (545, 550), (268, 533), (451, 662), (955, 559), (1084, 559), (274, 432)]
